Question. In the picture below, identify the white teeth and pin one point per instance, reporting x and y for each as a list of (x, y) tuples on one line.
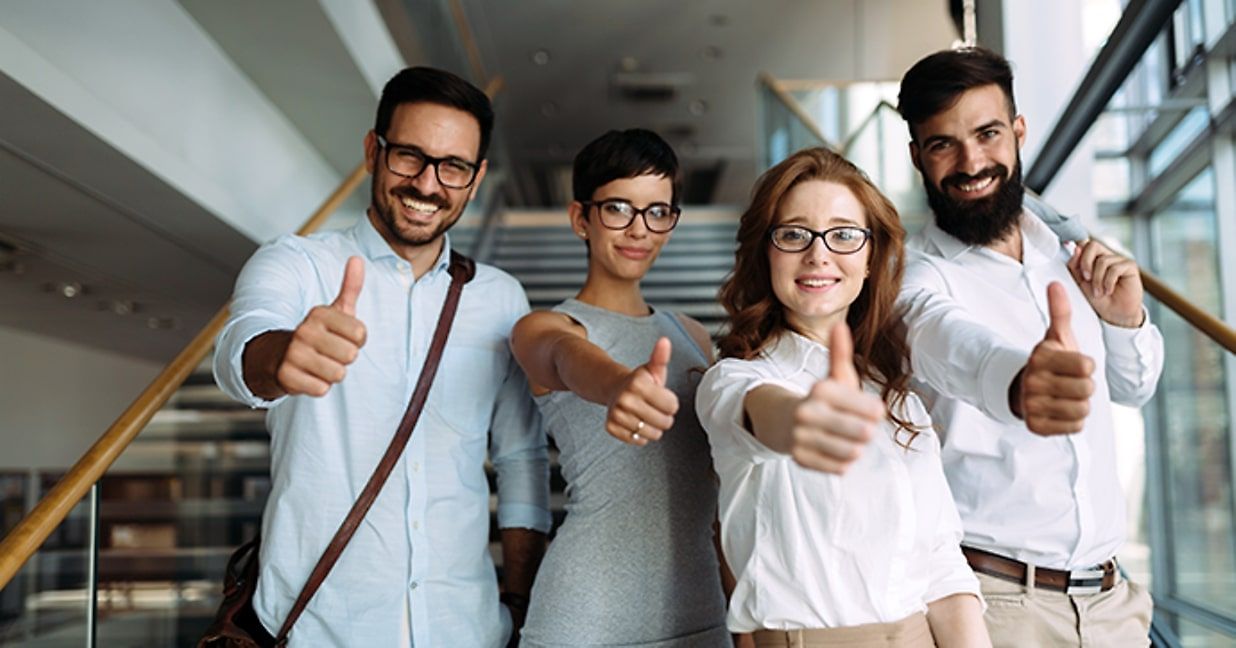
[(423, 207), (977, 185), (817, 283)]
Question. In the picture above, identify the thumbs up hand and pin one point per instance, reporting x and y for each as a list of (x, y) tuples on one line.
[(327, 341), (642, 407), (837, 418), (1053, 390)]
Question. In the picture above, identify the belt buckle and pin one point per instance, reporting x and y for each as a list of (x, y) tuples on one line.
[(1085, 581)]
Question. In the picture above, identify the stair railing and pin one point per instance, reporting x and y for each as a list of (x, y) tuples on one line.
[(29, 534), (1211, 326)]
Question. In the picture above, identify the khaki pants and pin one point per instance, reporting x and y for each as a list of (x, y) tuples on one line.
[(1021, 617), (910, 632)]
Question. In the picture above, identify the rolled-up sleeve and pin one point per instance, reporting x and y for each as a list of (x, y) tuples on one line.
[(953, 353), (268, 297), (1134, 361), (519, 451), (719, 406)]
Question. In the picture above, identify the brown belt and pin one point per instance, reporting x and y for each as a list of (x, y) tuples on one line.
[(1078, 581)]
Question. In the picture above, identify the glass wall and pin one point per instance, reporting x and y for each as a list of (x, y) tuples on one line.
[(1164, 179)]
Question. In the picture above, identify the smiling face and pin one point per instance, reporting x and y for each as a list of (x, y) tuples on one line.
[(968, 155), (625, 254), (817, 286), (414, 212)]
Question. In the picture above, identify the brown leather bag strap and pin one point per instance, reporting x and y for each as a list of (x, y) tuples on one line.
[(461, 269)]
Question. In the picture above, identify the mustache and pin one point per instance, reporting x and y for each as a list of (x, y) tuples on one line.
[(411, 192), (998, 171)]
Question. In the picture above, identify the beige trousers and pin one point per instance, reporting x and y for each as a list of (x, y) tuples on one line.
[(1023, 617), (910, 632)]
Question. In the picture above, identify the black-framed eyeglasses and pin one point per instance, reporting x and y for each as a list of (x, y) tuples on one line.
[(411, 162), (618, 214), (844, 239)]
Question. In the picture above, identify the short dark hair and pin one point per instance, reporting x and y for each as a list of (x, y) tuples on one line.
[(623, 154), (430, 85), (935, 82)]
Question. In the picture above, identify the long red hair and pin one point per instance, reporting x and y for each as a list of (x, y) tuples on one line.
[(757, 318)]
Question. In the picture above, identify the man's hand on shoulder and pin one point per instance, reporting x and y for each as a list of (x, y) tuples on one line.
[(315, 356), (1111, 283), (1052, 392)]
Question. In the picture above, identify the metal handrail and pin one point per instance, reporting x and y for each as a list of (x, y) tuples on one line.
[(1211, 326)]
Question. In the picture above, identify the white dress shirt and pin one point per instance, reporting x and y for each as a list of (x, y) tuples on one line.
[(420, 557), (814, 550), (973, 316)]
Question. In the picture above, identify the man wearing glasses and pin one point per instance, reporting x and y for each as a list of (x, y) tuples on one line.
[(329, 333)]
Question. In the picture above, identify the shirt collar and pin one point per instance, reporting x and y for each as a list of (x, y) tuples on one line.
[(374, 247), (1039, 243), (798, 353)]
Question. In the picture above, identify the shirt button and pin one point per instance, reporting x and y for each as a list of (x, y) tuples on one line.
[(415, 525), (416, 466), (413, 585)]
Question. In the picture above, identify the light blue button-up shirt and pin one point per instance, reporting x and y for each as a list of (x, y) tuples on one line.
[(419, 564)]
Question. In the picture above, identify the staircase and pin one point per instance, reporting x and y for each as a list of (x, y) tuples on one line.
[(192, 486)]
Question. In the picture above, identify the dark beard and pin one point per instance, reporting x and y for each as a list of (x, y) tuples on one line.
[(982, 221), (389, 219)]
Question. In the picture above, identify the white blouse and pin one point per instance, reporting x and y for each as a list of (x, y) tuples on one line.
[(814, 550)]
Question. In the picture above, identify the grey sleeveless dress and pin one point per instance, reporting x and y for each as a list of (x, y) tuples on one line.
[(633, 563)]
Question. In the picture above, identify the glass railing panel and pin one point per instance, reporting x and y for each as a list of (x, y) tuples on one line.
[(187, 492), (47, 601)]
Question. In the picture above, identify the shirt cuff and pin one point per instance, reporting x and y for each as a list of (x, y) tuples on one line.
[(996, 375), (229, 366), (1118, 334), (515, 515)]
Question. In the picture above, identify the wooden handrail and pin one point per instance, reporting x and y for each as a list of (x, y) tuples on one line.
[(33, 529), (1213, 327), (791, 104)]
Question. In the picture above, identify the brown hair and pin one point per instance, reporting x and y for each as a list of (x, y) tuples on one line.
[(757, 318), (933, 84)]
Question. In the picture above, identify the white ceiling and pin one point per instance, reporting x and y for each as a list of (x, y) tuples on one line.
[(710, 50), (83, 208)]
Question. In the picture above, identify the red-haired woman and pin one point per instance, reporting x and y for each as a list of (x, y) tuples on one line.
[(857, 553)]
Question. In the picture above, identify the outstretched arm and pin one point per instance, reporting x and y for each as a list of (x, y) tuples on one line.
[(826, 430), (557, 356)]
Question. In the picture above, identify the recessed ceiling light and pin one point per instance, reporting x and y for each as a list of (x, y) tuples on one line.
[(698, 107), (161, 323), (123, 306), (629, 64), (549, 109), (540, 57), (70, 289)]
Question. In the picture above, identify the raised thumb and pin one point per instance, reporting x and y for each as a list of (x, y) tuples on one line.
[(658, 362), (841, 356), (353, 279), (1061, 313)]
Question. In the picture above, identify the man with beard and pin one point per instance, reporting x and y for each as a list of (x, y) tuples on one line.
[(1007, 323), (329, 332)]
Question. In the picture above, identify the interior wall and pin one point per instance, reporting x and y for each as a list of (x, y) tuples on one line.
[(57, 397)]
